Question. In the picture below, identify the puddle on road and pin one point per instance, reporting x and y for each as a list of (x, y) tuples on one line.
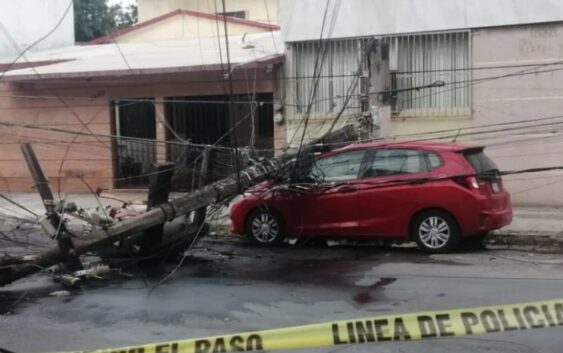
[(368, 295), (340, 273), (7, 303), (339, 269), (11, 301)]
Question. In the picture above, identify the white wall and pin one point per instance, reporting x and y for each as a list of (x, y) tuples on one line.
[(28, 20), (183, 27), (302, 19), (257, 10)]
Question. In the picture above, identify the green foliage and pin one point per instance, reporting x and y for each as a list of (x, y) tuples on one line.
[(95, 18), (124, 17)]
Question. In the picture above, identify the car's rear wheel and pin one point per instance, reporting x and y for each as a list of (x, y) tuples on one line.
[(265, 227), (436, 231)]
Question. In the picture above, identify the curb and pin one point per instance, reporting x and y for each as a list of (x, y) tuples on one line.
[(520, 238), (538, 240)]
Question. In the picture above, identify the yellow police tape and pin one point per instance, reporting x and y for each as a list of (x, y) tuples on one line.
[(416, 326)]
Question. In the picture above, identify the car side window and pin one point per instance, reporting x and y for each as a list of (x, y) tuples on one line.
[(395, 162), (340, 167), (434, 161)]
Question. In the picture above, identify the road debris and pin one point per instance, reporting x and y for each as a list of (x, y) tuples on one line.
[(140, 232), (68, 280), (93, 272), (60, 293)]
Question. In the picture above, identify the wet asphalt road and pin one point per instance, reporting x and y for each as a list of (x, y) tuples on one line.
[(233, 287)]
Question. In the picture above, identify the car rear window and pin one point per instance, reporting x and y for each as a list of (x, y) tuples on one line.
[(479, 161)]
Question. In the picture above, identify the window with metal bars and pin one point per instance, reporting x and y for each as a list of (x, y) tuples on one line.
[(326, 73), (422, 59)]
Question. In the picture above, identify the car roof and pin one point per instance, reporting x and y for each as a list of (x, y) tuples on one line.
[(437, 146)]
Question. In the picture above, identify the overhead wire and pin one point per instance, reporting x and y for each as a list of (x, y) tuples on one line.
[(354, 83), (548, 121), (17, 204), (317, 69), (159, 115), (464, 84), (233, 129), (230, 94), (113, 83), (22, 55), (476, 81), (501, 76), (270, 23)]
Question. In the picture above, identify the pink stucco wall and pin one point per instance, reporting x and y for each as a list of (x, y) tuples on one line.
[(87, 108), (534, 91)]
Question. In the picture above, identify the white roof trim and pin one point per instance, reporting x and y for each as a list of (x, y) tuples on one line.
[(302, 20)]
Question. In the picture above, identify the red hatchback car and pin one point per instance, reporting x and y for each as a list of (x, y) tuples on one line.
[(436, 194)]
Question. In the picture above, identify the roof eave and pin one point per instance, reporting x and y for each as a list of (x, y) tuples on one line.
[(264, 62)]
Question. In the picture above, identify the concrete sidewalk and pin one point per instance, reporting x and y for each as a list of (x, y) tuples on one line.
[(547, 221), (531, 225)]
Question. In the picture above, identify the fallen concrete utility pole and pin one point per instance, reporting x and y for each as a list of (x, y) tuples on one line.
[(57, 226), (213, 193)]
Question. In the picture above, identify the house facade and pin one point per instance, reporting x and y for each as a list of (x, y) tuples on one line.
[(98, 115), (482, 72), (182, 23)]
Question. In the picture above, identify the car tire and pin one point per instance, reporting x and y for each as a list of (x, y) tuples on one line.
[(435, 231), (265, 227)]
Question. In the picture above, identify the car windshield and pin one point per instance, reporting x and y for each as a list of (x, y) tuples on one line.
[(340, 167)]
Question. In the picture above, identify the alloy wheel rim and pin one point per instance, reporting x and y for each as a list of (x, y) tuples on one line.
[(265, 228), (434, 232)]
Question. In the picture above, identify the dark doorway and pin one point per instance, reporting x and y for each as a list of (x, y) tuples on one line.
[(135, 145), (206, 120)]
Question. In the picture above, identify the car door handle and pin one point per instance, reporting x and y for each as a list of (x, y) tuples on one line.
[(347, 188)]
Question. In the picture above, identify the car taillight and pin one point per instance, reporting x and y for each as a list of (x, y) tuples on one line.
[(469, 182)]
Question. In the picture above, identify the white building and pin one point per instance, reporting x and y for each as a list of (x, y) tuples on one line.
[(23, 22), (501, 62)]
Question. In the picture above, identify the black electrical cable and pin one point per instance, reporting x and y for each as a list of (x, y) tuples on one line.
[(22, 53), (230, 94)]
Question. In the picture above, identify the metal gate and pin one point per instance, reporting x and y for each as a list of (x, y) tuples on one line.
[(135, 142)]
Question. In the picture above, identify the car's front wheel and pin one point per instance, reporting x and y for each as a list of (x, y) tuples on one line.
[(265, 227), (435, 231)]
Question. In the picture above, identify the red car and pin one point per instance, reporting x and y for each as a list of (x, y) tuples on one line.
[(436, 194)]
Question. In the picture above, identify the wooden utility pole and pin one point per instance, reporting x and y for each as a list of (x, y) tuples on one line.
[(207, 195)]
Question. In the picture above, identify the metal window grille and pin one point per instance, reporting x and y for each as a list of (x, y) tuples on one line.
[(236, 14), (337, 64), (422, 59)]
